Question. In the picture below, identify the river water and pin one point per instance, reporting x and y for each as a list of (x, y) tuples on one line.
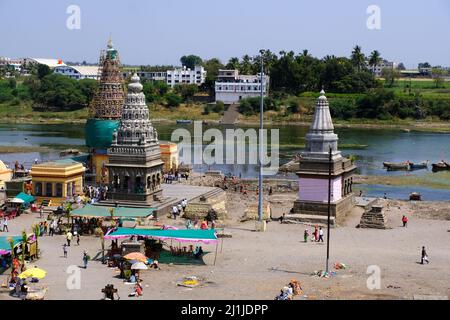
[(382, 145)]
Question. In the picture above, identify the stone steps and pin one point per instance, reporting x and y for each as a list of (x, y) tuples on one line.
[(309, 219)]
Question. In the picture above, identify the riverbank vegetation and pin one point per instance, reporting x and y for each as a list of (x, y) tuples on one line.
[(354, 94)]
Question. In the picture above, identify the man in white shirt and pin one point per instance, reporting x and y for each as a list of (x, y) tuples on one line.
[(175, 212), (320, 234)]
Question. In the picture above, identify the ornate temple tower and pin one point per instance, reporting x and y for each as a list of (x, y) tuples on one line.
[(312, 202), (134, 156), (105, 112)]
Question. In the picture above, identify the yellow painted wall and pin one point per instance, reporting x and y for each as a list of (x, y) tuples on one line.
[(101, 172), (169, 155)]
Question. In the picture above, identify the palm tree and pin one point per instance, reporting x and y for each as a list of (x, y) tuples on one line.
[(24, 244), (37, 232), (233, 63), (374, 59), (102, 241), (11, 245), (358, 58)]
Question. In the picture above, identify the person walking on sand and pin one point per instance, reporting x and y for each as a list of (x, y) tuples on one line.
[(65, 250), (405, 221), (315, 237), (306, 235), (85, 259), (424, 256), (5, 225), (41, 211), (78, 239), (68, 237), (320, 235)]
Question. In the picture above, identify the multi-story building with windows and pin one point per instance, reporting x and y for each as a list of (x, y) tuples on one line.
[(378, 69), (231, 87), (186, 76)]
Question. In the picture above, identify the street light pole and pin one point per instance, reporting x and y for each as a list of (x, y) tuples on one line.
[(329, 208), (261, 114)]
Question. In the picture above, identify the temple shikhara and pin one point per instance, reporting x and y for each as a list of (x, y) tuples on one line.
[(105, 112), (135, 166), (313, 174)]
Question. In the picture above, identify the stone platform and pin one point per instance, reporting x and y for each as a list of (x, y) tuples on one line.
[(172, 194)]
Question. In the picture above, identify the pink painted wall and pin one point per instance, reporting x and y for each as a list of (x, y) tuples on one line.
[(311, 189)]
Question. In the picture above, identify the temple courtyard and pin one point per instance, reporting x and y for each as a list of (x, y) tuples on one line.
[(255, 265)]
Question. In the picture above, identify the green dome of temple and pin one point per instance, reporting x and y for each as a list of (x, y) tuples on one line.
[(99, 133)]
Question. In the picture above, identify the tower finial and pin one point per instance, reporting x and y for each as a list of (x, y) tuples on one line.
[(110, 43), (322, 92)]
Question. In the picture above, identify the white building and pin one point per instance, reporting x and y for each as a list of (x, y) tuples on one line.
[(186, 76), (51, 63), (78, 72), (384, 64), (231, 87), (147, 75)]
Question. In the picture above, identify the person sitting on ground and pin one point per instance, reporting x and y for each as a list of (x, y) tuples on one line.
[(204, 225), (137, 290), (153, 264), (198, 252)]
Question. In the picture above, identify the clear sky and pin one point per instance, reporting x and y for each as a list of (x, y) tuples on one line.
[(160, 32)]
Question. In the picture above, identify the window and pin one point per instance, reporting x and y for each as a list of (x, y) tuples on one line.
[(59, 189), (38, 189), (48, 189)]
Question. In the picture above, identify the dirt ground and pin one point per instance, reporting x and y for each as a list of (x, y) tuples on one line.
[(255, 265)]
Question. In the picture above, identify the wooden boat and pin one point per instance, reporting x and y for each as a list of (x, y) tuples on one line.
[(417, 166), (415, 196), (441, 166), (184, 121), (67, 152), (396, 165)]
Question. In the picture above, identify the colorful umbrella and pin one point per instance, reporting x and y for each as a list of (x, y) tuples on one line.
[(139, 266), (33, 273), (136, 256)]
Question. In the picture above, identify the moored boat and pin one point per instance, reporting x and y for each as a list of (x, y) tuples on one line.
[(441, 166), (417, 166), (67, 152), (415, 196), (184, 121), (397, 165)]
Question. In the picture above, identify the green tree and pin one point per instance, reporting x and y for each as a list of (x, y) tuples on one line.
[(438, 77), (187, 91), (43, 70), (24, 246), (173, 100), (37, 232), (390, 75), (233, 63), (374, 59), (357, 58), (191, 61), (212, 67)]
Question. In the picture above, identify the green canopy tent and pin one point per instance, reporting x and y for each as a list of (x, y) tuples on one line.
[(26, 198), (183, 235), (5, 247)]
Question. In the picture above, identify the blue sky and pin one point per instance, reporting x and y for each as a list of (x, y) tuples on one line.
[(160, 32)]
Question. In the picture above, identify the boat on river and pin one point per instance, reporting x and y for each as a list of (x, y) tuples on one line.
[(397, 165), (184, 121), (67, 152), (441, 166), (418, 166)]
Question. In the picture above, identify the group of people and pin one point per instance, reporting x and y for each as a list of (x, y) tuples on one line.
[(95, 194), (316, 236), (174, 175), (204, 225), (288, 292), (179, 208)]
